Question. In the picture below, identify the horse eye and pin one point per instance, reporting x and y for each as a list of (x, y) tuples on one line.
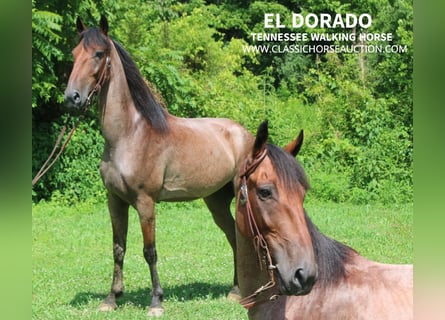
[(264, 193), (99, 54)]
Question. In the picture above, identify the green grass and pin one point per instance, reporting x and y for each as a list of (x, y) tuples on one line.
[(72, 257)]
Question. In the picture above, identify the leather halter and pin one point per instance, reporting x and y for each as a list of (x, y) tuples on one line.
[(259, 242), (102, 78)]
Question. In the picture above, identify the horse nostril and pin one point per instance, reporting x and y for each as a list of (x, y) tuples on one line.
[(299, 276), (73, 99), (76, 97), (304, 278)]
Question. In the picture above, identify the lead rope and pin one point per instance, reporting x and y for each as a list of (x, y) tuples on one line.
[(49, 163), (259, 242)]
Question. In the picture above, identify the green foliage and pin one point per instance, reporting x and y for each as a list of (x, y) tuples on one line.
[(365, 141), (75, 177), (356, 110), (45, 53)]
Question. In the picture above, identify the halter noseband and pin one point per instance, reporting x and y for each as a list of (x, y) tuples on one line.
[(259, 242)]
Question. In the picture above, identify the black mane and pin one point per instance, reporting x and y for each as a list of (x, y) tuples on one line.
[(330, 254), (144, 100)]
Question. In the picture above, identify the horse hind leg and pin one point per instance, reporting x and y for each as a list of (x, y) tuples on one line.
[(219, 205), (119, 222)]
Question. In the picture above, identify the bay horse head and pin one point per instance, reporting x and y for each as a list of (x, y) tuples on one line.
[(270, 212), (91, 64)]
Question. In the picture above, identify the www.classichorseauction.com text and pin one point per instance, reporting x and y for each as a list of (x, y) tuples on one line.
[(354, 39)]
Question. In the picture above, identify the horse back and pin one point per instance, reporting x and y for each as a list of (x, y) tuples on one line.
[(370, 291)]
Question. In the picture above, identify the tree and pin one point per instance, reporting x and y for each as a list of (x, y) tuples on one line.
[(46, 26)]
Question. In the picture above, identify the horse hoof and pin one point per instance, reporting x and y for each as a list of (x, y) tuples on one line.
[(106, 307), (155, 312), (234, 294)]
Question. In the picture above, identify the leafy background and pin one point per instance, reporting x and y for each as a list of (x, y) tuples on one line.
[(356, 110)]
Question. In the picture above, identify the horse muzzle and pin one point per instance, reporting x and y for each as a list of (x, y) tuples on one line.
[(298, 281)]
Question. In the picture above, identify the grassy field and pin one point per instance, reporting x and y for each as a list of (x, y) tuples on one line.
[(72, 257)]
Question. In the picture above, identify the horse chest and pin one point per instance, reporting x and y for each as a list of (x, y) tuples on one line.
[(112, 177), (121, 176)]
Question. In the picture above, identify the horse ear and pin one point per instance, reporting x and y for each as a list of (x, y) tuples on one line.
[(261, 138), (295, 145), (103, 25), (80, 26)]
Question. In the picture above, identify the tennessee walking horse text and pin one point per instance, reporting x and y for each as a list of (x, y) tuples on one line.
[(151, 155), (276, 243)]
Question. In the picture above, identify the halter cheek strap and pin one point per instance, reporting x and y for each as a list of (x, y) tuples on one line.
[(102, 78), (259, 242)]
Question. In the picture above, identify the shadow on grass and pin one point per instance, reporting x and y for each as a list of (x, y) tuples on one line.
[(142, 297)]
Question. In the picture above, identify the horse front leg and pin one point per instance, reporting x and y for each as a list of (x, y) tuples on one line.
[(119, 220), (147, 220)]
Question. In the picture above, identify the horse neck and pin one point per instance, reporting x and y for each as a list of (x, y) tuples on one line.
[(118, 115), (250, 276)]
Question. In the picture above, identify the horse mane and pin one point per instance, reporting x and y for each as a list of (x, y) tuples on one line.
[(330, 254), (144, 99)]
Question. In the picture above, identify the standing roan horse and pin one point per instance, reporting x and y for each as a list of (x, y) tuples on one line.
[(348, 286), (150, 155)]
